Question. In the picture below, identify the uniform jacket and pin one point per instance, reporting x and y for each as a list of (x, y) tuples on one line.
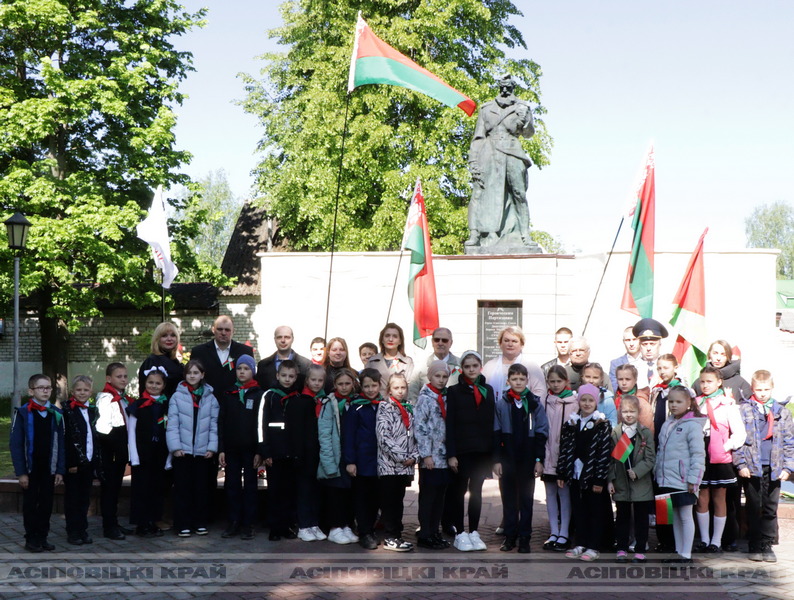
[(237, 426), (469, 428), (594, 443), (220, 377), (21, 442), (642, 461), (266, 370), (749, 454), (396, 443), (272, 435), (360, 442), (76, 431), (504, 429), (179, 433), (681, 453)]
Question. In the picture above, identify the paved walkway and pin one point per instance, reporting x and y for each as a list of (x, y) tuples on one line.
[(211, 567)]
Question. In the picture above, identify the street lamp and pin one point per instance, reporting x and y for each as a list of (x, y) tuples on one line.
[(17, 227)]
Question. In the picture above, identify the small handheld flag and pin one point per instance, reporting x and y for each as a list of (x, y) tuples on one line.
[(154, 231), (664, 509), (623, 448)]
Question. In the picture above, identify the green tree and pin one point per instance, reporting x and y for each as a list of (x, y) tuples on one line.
[(87, 90), (772, 226), (394, 134)]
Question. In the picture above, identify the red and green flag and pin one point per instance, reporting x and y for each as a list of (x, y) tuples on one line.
[(689, 317), (638, 292), (421, 280), (664, 509), (374, 61), (623, 448)]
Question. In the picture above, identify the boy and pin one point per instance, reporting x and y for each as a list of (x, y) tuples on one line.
[(237, 449), (273, 450), (83, 459), (626, 376), (37, 451), (366, 351), (111, 425), (764, 460), (521, 430)]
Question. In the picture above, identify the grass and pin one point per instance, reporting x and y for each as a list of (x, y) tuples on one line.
[(6, 468)]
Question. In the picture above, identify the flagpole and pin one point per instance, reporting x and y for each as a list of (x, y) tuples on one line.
[(600, 281), (394, 286), (336, 212)]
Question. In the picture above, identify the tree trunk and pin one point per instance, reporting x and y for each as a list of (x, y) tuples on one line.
[(54, 347)]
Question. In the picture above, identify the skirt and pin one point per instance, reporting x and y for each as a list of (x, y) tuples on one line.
[(719, 475)]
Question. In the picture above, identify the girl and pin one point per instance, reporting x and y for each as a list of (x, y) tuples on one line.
[(627, 385), (391, 358), (148, 453), (560, 404), (585, 445), (680, 462), (430, 432), (192, 438), (725, 433), (396, 459), (666, 366), (631, 478), (360, 455), (721, 357), (331, 472), (336, 359), (470, 446), (593, 373)]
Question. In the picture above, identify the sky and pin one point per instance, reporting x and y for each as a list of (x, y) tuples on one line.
[(707, 82)]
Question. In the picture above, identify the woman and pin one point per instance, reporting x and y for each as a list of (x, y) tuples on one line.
[(336, 359), (391, 358), (164, 353), (721, 357), (511, 342)]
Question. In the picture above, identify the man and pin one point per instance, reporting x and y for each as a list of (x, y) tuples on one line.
[(219, 355), (632, 357), (580, 356), (442, 342), (562, 343), (650, 333), (267, 367)]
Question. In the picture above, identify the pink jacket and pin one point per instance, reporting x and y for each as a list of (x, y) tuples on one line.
[(728, 434), (558, 411)]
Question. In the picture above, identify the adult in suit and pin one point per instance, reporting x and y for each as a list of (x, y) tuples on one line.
[(267, 367), (219, 355), (632, 356)]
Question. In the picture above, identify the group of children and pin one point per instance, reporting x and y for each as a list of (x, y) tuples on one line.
[(337, 463)]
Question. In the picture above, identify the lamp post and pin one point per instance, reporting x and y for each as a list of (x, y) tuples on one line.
[(17, 227)]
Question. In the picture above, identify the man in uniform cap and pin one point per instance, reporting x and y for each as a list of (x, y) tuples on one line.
[(650, 333)]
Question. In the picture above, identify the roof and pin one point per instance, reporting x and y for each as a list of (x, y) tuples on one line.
[(785, 293), (249, 237)]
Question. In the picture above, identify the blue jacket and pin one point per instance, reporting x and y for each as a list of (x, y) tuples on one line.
[(21, 442), (330, 439), (749, 454), (179, 430), (360, 443), (537, 429)]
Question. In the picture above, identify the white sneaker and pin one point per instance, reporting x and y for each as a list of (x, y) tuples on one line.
[(477, 542), (307, 535), (318, 533), (463, 543), (350, 535), (337, 536), (575, 552)]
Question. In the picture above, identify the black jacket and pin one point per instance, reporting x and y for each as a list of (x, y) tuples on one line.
[(731, 380), (592, 445), (237, 421), (75, 430), (470, 429), (175, 372), (266, 371), (219, 377)]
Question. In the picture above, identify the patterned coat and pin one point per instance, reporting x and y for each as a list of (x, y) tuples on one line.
[(596, 442), (395, 443), (430, 430)]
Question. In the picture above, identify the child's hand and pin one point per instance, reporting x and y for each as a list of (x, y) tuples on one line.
[(597, 489), (745, 472), (611, 488), (24, 481), (179, 453), (632, 475), (428, 463), (222, 459), (410, 462), (692, 488), (58, 479), (351, 470), (538, 469), (453, 464), (497, 469), (560, 483), (783, 476), (208, 454), (73, 469)]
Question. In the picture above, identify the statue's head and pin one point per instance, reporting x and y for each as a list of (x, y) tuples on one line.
[(507, 85)]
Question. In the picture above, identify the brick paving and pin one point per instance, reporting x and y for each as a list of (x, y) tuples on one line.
[(211, 567)]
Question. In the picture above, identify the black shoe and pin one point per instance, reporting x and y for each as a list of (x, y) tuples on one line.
[(732, 547), (233, 530), (87, 539), (125, 530), (440, 541), (114, 534), (713, 549), (430, 543), (523, 545), (144, 532), (561, 546), (45, 545), (33, 547), (549, 543), (449, 529), (247, 533), (274, 537), (289, 534), (75, 540), (509, 544), (768, 554), (368, 542), (755, 555), (700, 546)]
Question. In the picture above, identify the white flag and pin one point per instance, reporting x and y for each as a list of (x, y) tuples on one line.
[(154, 231)]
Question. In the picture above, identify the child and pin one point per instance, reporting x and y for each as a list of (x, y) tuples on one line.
[(300, 425), (37, 451), (366, 351), (111, 426), (237, 449), (331, 472), (593, 374), (725, 432), (470, 446), (360, 455), (560, 404), (666, 366), (585, 445), (520, 431), (397, 455), (430, 413), (765, 459), (274, 451), (631, 478), (317, 351), (192, 438), (146, 420), (627, 385), (83, 459), (680, 462)]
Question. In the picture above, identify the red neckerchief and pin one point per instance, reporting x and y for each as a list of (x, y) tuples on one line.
[(73, 403), (770, 420), (619, 395), (33, 405), (117, 397), (241, 387), (672, 383), (439, 399), (318, 399), (148, 399), (475, 386), (341, 400), (196, 397), (403, 412), (285, 398)]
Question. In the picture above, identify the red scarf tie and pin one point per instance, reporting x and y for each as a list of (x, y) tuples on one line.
[(241, 387), (117, 397), (404, 410), (195, 393), (477, 387), (709, 409), (318, 400), (148, 399), (440, 400), (619, 395), (73, 403), (770, 420)]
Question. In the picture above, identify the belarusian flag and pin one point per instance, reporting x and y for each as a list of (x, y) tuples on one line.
[(623, 448), (374, 61), (689, 318), (421, 281), (638, 292), (664, 509)]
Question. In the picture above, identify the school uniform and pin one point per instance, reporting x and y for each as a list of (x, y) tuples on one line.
[(334, 482), (360, 448), (300, 424), (430, 432), (111, 426), (267, 368), (82, 453)]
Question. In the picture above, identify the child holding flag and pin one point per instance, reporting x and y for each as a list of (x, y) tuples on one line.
[(630, 478)]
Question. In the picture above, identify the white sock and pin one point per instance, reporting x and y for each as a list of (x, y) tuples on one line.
[(719, 527), (703, 525), (552, 508), (565, 510), (687, 526)]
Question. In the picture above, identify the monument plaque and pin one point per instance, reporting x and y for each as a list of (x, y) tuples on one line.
[(492, 317)]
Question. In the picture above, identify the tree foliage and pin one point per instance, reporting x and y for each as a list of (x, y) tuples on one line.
[(772, 226), (87, 90), (394, 134)]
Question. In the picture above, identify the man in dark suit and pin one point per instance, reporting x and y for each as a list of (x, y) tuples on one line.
[(219, 355), (267, 367), (632, 356)]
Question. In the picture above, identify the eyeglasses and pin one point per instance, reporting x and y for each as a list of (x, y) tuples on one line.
[(441, 340), (44, 388)]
